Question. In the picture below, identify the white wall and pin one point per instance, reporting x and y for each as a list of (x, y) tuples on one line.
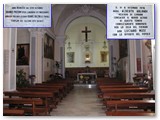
[(146, 53), (23, 37), (6, 76), (77, 39), (114, 44), (9, 49), (48, 65)]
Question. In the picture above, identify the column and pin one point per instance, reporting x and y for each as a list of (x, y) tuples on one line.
[(132, 62), (9, 59), (36, 53), (60, 52), (154, 63), (113, 53), (110, 58)]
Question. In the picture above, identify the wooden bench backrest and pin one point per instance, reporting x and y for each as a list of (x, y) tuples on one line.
[(29, 94), (39, 89), (127, 95), (130, 113), (12, 112), (122, 103), (118, 86), (18, 101), (22, 101), (112, 90)]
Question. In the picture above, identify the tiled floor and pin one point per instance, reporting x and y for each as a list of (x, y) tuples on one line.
[(81, 101)]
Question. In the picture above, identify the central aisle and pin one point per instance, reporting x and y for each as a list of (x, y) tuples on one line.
[(81, 101)]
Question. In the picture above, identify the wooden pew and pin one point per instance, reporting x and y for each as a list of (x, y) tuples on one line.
[(118, 96), (47, 97), (62, 89), (127, 104), (69, 84), (113, 83), (120, 90), (23, 101), (109, 80), (130, 113), (118, 86), (12, 112), (56, 92)]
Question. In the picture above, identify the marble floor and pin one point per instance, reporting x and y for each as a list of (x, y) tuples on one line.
[(81, 101)]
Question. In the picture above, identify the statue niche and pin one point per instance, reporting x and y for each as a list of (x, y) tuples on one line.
[(87, 58), (87, 55)]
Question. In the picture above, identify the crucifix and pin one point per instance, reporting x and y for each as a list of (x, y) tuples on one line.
[(86, 33)]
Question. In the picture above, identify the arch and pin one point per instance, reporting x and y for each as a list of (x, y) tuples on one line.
[(82, 45), (62, 28)]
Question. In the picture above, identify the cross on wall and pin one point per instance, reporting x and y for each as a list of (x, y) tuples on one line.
[(86, 31)]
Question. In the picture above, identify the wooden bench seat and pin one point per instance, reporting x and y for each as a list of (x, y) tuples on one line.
[(55, 91), (67, 83), (118, 96), (12, 112), (114, 83), (25, 101), (120, 90), (130, 113), (61, 89), (115, 105), (47, 97), (118, 86), (101, 87)]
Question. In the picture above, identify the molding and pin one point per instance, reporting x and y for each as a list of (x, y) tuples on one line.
[(42, 30)]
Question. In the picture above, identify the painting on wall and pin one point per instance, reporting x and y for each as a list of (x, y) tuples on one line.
[(70, 57), (103, 56), (123, 49), (22, 54), (48, 47)]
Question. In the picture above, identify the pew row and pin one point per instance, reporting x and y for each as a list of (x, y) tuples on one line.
[(47, 97), (26, 104), (57, 93), (130, 113), (116, 105), (12, 112), (132, 96), (120, 90)]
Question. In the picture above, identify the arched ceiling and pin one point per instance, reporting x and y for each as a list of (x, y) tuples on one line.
[(69, 9), (85, 20), (62, 11)]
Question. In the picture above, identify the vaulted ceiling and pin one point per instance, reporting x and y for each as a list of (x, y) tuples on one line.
[(61, 12)]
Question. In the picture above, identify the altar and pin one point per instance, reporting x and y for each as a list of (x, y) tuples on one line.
[(86, 77)]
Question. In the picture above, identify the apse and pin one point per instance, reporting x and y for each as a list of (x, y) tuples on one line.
[(86, 43)]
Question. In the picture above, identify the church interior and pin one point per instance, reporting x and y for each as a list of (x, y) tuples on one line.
[(71, 69)]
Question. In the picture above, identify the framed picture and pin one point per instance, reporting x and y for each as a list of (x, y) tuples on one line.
[(103, 56), (70, 57), (123, 49), (48, 47), (22, 54)]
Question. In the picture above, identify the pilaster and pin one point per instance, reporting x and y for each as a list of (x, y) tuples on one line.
[(60, 52), (36, 50)]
